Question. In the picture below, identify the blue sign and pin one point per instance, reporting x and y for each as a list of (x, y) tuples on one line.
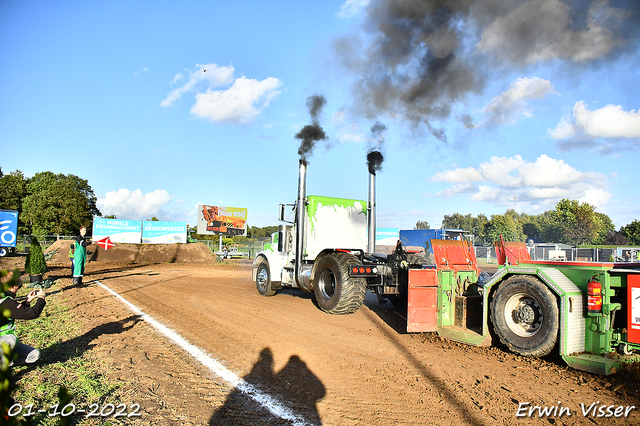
[(157, 232), (119, 231), (8, 228), (387, 236)]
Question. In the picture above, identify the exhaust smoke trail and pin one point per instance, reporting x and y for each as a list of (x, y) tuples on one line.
[(376, 141), (311, 133)]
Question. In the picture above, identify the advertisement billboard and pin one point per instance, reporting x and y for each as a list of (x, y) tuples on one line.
[(8, 228), (387, 236), (216, 220), (119, 231), (156, 232)]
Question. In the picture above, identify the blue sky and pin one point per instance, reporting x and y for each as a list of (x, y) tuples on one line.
[(162, 105)]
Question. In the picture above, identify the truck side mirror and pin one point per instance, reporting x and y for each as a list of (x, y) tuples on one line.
[(281, 213)]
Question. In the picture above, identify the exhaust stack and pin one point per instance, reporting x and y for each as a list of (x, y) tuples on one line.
[(371, 210), (300, 207)]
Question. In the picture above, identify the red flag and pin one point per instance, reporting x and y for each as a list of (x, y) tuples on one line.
[(105, 243)]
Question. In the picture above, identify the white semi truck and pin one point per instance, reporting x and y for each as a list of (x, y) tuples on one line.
[(589, 312)]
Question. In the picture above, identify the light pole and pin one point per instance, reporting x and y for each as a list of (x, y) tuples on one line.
[(514, 217)]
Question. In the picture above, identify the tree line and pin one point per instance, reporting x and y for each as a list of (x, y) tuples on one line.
[(570, 222), (58, 204), (48, 203)]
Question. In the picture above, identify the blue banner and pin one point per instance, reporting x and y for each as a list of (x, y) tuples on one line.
[(156, 232), (387, 236), (8, 228), (119, 231)]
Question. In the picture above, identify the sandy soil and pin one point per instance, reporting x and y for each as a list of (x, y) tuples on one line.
[(361, 369)]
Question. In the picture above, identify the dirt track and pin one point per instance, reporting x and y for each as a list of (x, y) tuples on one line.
[(332, 370)]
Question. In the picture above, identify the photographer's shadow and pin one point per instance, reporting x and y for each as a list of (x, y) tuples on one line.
[(294, 388), (66, 350)]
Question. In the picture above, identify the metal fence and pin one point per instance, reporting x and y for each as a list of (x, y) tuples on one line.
[(23, 242), (569, 254), (483, 254), (248, 248)]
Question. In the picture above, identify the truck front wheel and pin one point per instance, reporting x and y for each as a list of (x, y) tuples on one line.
[(334, 290), (263, 279), (525, 316)]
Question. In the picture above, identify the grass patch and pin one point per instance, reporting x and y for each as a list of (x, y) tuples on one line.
[(66, 360)]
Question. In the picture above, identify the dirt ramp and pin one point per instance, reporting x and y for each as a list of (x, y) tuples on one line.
[(138, 253)]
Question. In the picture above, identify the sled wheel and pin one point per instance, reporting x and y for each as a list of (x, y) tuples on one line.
[(334, 290), (263, 279), (525, 316), (419, 259)]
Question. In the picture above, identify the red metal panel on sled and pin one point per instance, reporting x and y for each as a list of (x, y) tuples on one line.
[(633, 311), (513, 251), (422, 300), (454, 255)]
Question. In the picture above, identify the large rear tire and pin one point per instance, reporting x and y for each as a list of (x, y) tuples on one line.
[(525, 316), (334, 290), (263, 279)]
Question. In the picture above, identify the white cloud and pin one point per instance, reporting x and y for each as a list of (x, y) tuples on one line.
[(144, 69), (610, 121), (458, 175), (133, 205), (536, 184), (239, 103), (210, 74), (513, 102), (352, 8)]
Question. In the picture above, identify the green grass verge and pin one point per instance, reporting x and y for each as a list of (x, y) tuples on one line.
[(66, 360)]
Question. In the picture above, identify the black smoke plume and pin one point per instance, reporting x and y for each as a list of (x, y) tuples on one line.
[(311, 133), (376, 141), (422, 59)]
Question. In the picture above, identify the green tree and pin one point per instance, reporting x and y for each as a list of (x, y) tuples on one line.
[(604, 226), (58, 204), (532, 226), (479, 229), (471, 225), (508, 225), (632, 232), (573, 222), (13, 189), (458, 221), (422, 224), (615, 238), (109, 216)]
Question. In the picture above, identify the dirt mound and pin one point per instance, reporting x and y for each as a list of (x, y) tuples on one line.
[(137, 253)]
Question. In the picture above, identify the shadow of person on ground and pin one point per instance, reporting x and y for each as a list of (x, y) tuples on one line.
[(294, 392), (64, 351)]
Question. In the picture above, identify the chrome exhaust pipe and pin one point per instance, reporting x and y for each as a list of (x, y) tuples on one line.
[(371, 210), (300, 208)]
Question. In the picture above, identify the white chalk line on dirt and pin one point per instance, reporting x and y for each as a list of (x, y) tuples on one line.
[(268, 402)]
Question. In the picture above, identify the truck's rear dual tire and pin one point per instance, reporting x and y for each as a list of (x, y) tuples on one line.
[(334, 290), (525, 316), (263, 279)]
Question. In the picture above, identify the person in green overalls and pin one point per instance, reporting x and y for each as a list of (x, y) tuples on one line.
[(80, 256)]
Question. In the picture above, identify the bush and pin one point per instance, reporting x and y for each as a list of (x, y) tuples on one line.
[(35, 263)]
